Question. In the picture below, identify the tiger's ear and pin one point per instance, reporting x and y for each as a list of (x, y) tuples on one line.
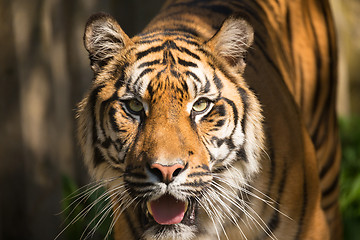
[(232, 41), (103, 39)]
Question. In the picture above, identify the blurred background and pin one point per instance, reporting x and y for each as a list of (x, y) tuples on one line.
[(44, 73)]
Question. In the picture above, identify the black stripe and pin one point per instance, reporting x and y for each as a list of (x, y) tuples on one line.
[(106, 144), (138, 176), (113, 121), (283, 180), (103, 105), (217, 141), (196, 183), (188, 73), (273, 224), (168, 58), (274, 221), (130, 167), (332, 187), (92, 103), (182, 28), (230, 144), (150, 41), (181, 36), (303, 207), (188, 41), (328, 113), (140, 185), (186, 63), (115, 160), (271, 153), (218, 82), (188, 52), (175, 73), (235, 111), (142, 74), (177, 30), (333, 203), (241, 155), (206, 88), (207, 54), (291, 50), (220, 109), (245, 99), (98, 157), (202, 166), (319, 65), (169, 44), (219, 169), (121, 81), (150, 90), (231, 147), (142, 54), (220, 123), (302, 84), (199, 174), (329, 163), (131, 225), (149, 64)]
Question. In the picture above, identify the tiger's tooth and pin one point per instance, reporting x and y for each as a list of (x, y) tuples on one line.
[(186, 205), (149, 208)]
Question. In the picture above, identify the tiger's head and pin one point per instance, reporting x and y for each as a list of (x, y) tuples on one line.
[(170, 126)]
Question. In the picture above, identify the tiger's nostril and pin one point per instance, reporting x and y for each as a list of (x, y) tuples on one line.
[(157, 173), (177, 172), (166, 173)]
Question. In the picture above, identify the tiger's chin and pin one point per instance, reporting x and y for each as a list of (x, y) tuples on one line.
[(179, 226), (178, 231)]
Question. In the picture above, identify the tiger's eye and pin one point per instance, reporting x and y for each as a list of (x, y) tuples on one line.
[(135, 106), (200, 105)]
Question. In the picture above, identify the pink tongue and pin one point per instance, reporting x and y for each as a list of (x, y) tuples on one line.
[(167, 210)]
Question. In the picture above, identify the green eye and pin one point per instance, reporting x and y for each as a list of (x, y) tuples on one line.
[(201, 105), (135, 106)]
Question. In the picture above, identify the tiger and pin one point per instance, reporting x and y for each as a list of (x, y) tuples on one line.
[(216, 121)]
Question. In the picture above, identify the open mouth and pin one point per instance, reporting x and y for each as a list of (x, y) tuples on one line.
[(167, 210)]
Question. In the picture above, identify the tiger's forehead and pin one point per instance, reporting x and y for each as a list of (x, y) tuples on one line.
[(165, 65), (167, 51)]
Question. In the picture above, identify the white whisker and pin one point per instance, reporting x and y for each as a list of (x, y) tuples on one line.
[(231, 193), (106, 197), (81, 196), (206, 208)]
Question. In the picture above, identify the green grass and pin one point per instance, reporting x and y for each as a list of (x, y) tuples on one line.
[(349, 197), (82, 227), (350, 177)]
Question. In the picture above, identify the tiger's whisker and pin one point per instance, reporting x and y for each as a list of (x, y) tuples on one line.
[(242, 208), (107, 209), (205, 206)]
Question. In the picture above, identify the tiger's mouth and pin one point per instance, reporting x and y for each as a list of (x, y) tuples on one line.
[(168, 211)]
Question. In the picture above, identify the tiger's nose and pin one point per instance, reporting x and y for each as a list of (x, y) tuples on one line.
[(166, 173)]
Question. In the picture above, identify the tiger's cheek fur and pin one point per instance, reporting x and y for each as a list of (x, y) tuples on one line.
[(232, 131), (215, 129)]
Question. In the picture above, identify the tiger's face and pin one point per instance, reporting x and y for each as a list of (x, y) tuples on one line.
[(170, 125)]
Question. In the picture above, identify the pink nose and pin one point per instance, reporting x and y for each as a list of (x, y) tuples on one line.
[(167, 172)]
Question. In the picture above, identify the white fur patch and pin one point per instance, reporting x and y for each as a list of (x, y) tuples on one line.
[(177, 232)]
